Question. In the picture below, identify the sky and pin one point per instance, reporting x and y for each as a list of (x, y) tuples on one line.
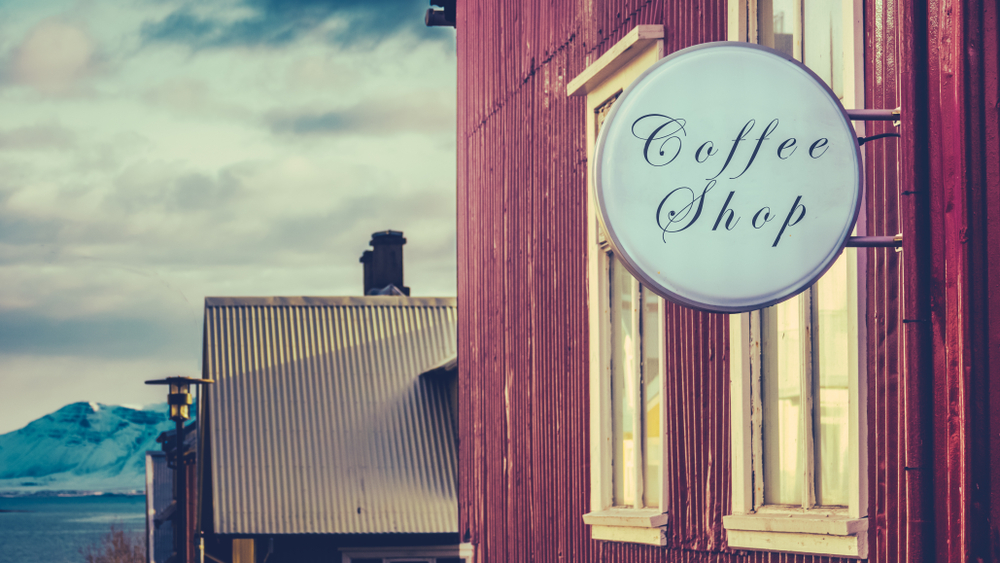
[(154, 152)]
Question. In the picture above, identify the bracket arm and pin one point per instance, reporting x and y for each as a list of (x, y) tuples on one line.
[(876, 242), (874, 114)]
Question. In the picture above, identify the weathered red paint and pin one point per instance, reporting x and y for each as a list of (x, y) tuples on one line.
[(698, 419), (983, 54), (888, 410), (933, 311), (962, 173)]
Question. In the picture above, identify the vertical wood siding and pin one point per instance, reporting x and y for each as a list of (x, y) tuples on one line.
[(948, 205), (981, 50), (697, 428), (887, 394), (962, 181), (524, 478)]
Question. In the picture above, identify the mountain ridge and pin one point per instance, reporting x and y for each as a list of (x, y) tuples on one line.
[(83, 447)]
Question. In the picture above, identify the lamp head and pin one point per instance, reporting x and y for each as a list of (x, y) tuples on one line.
[(179, 398)]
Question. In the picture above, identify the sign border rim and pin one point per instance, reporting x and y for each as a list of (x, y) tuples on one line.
[(646, 280)]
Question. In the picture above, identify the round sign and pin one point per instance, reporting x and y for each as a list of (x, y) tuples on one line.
[(728, 177)]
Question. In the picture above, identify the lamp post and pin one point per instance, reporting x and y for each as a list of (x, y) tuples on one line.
[(180, 401)]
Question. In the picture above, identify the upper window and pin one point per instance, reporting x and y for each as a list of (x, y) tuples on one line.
[(798, 378), (626, 340), (634, 322)]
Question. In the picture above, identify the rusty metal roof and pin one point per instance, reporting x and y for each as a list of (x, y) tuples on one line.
[(319, 420)]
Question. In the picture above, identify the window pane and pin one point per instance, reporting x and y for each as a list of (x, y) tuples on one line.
[(780, 395), (832, 372), (776, 25), (822, 41), (623, 364), (652, 454)]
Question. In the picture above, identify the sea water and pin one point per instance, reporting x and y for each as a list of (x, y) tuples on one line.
[(55, 529)]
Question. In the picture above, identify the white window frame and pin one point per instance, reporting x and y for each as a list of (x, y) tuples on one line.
[(409, 553), (599, 82), (818, 531)]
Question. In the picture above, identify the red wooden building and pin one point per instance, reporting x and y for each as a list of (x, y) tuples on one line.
[(598, 423)]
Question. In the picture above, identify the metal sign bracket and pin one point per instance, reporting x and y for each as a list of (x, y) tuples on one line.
[(876, 242), (876, 115)]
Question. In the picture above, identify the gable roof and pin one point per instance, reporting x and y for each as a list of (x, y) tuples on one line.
[(319, 421)]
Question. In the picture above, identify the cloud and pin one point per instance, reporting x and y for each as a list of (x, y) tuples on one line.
[(103, 336), (377, 118), (159, 216), (156, 186), (420, 211), (37, 137), (192, 97), (277, 23), (247, 147), (54, 58), (18, 229)]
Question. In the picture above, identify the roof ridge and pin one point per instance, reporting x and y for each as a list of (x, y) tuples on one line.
[(331, 301)]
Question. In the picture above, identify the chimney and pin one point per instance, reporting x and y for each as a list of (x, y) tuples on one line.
[(384, 264)]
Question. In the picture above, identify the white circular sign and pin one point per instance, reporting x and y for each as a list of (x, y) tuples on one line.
[(728, 177)]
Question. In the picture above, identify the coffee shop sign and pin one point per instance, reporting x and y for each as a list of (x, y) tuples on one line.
[(728, 177)]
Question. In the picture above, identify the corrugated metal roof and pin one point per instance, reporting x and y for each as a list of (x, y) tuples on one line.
[(319, 419)]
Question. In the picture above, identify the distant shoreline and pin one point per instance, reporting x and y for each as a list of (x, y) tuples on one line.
[(69, 494)]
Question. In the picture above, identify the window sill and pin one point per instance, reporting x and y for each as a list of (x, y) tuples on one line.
[(632, 525), (815, 532)]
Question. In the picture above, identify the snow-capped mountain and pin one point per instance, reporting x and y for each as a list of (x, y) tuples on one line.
[(83, 447)]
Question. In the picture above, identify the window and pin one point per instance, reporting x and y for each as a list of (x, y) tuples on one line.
[(425, 554), (634, 361), (626, 339), (798, 377)]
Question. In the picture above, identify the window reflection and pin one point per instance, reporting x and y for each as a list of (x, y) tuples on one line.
[(635, 385), (623, 363), (811, 32), (822, 41), (652, 453), (831, 379), (781, 394), (777, 26)]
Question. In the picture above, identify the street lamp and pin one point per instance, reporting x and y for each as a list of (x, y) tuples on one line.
[(180, 401)]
